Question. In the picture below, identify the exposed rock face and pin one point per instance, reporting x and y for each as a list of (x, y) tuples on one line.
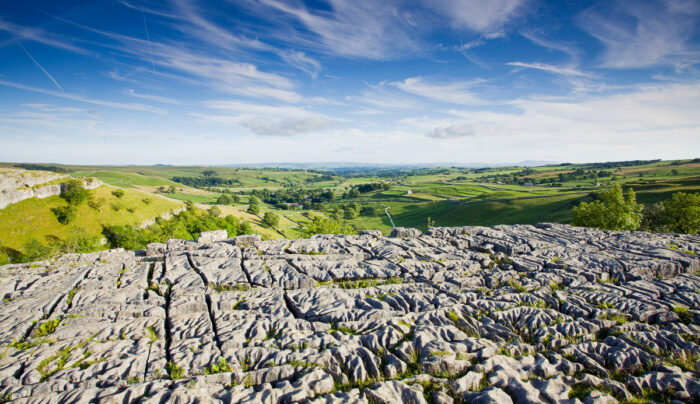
[(18, 185), (517, 314)]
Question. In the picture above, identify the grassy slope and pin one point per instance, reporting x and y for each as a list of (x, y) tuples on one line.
[(32, 218), (439, 196)]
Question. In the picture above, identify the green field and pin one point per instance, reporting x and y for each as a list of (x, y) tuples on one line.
[(448, 196), (33, 218)]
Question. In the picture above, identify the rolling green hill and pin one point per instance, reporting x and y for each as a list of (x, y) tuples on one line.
[(449, 196), (33, 218)]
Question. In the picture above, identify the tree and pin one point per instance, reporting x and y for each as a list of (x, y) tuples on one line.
[(674, 172), (682, 212), (349, 213), (254, 208), (209, 173), (118, 193), (321, 225), (64, 214), (270, 220), (245, 228), (74, 193), (33, 250), (79, 241), (613, 212), (224, 199), (368, 210)]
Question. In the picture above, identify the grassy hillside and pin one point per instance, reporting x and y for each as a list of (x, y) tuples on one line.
[(33, 218), (449, 196)]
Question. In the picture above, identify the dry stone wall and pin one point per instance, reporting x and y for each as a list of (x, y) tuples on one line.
[(509, 314)]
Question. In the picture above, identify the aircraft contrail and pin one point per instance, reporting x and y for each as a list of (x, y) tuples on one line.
[(148, 38), (40, 66)]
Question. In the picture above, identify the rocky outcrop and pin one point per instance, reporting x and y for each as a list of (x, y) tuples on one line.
[(522, 314), (165, 216), (18, 185)]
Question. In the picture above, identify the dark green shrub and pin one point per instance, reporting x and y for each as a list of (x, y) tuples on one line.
[(74, 193), (64, 214)]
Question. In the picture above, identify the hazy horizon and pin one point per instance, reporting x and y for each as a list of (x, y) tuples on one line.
[(394, 83)]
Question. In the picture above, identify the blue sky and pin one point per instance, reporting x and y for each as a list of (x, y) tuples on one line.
[(422, 81)]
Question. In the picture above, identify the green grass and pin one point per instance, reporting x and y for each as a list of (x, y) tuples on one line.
[(33, 218), (362, 283), (684, 314), (435, 193)]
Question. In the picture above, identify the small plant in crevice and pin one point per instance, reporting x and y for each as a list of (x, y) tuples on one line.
[(174, 371), (221, 366)]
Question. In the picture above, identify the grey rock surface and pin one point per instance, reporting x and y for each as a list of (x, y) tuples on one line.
[(547, 313)]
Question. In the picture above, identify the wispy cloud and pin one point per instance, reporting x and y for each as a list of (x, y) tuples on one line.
[(66, 121), (360, 28), (156, 98), (641, 34), (197, 25), (87, 100), (573, 52), (563, 70), (300, 61), (381, 99), (645, 111), (39, 36), (485, 17), (452, 93), (265, 120)]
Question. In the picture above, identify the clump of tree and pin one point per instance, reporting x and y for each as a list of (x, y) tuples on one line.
[(254, 205), (185, 225), (321, 225), (679, 214), (41, 167), (614, 211), (169, 190), (209, 178), (374, 186), (227, 199), (270, 220), (73, 193)]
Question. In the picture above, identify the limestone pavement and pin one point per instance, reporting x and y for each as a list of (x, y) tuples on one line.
[(523, 314)]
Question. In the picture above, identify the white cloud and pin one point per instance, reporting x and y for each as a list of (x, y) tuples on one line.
[(88, 100), (453, 93), (485, 17), (39, 36), (563, 70), (286, 127), (641, 34), (535, 38), (459, 129), (360, 28), (156, 98), (266, 120), (630, 118), (300, 61)]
